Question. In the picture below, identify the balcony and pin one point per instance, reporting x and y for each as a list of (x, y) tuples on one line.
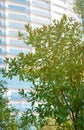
[(2, 52), (25, 106), (2, 33), (18, 8), (16, 97), (41, 12), (19, 17), (2, 42), (22, 1), (42, 4), (2, 62), (18, 44), (17, 25), (2, 24), (2, 15), (2, 6)]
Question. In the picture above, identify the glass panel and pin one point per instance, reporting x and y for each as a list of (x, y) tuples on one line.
[(13, 33), (41, 20), (2, 33), (19, 8), (16, 52), (15, 96), (41, 3), (20, 84), (0, 60), (0, 50), (41, 11), (18, 16), (17, 106), (17, 43), (25, 106), (19, 25), (20, 0)]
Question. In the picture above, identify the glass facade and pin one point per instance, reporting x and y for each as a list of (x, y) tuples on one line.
[(12, 20)]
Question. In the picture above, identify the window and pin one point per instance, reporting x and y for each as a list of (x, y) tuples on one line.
[(19, 25), (13, 33), (19, 8), (17, 43), (16, 52), (2, 33), (71, 1), (20, 0), (15, 96), (58, 9), (41, 11), (0, 50), (0, 41), (20, 84), (17, 106), (0, 60), (2, 23), (2, 14), (41, 20), (0, 68), (25, 106), (18, 16), (41, 3)]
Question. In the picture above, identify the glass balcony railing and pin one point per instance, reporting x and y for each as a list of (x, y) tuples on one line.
[(2, 42), (16, 25), (17, 106), (2, 52), (41, 20), (22, 1), (17, 43), (12, 83), (18, 8), (41, 12), (15, 97), (24, 107), (2, 15), (16, 52), (2, 62), (2, 33), (2, 6), (19, 17), (2, 24), (41, 4)]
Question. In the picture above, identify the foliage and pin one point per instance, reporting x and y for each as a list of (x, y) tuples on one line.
[(56, 70), (79, 7), (51, 125), (7, 113)]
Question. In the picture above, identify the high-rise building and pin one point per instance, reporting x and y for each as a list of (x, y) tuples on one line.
[(14, 14)]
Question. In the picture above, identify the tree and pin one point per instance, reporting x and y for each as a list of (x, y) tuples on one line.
[(50, 126), (56, 70), (7, 113), (79, 8)]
